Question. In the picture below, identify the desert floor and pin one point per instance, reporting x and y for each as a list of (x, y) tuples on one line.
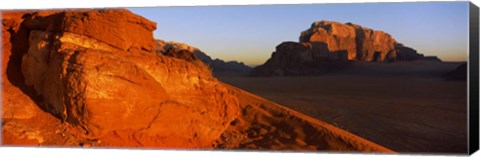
[(407, 107)]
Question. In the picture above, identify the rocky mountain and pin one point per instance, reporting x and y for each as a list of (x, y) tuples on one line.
[(192, 53), (329, 46), (458, 74), (84, 78)]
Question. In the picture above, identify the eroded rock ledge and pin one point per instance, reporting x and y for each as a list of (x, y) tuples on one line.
[(96, 69)]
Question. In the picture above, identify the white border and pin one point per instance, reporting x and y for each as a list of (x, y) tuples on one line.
[(50, 4), (61, 152)]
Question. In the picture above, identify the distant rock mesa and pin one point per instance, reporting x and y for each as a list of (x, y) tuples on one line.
[(189, 53), (328, 46)]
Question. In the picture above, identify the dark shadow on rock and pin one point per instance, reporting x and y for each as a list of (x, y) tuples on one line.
[(377, 56), (20, 46)]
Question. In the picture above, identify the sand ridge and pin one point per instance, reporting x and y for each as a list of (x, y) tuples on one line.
[(404, 106), (263, 124)]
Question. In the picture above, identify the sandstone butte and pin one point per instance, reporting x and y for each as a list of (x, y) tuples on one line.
[(328, 46), (94, 78)]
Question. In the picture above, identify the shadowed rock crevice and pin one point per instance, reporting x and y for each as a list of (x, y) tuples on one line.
[(19, 46)]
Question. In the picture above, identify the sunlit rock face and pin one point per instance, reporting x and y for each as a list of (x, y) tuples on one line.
[(361, 43), (329, 46), (97, 69)]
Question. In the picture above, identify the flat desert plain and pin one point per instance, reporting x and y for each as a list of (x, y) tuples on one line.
[(404, 106)]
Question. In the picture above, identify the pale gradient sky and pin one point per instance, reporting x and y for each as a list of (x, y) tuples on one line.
[(251, 33)]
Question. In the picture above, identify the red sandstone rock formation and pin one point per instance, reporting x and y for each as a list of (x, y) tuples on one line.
[(97, 70), (361, 43), (329, 45)]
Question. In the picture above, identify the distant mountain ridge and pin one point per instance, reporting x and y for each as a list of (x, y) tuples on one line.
[(181, 50), (458, 74), (329, 45)]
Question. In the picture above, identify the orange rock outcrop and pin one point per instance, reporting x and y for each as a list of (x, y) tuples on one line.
[(97, 71)]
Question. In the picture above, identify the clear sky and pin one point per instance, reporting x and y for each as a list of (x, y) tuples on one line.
[(251, 33)]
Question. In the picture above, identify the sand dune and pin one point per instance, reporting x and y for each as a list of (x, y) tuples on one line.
[(407, 107), (263, 124)]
